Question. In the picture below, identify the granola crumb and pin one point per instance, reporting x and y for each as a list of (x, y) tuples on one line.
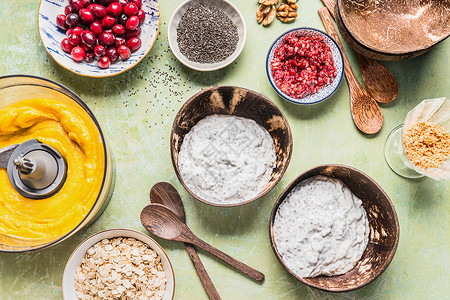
[(120, 268), (426, 144)]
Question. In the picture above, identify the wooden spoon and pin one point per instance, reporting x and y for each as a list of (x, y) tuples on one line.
[(379, 82), (164, 193), (164, 223), (365, 111)]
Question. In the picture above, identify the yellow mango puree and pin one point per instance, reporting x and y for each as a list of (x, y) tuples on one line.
[(70, 131)]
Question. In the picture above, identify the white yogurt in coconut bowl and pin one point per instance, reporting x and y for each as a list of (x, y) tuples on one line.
[(227, 159), (321, 228)]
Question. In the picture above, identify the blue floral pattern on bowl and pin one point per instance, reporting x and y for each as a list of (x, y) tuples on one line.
[(52, 36), (327, 90)]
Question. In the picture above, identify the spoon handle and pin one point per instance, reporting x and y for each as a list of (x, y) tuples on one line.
[(330, 5), (353, 83), (249, 271), (201, 271)]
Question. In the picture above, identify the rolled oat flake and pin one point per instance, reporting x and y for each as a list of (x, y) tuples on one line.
[(206, 34)]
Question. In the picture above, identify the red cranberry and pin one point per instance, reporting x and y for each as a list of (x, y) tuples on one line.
[(132, 23), (61, 22), (122, 2), (111, 52), (110, 31), (122, 19), (85, 47), (124, 52), (68, 9), (132, 33), (88, 38), (106, 39), (114, 9), (130, 9), (89, 57), (77, 53), (105, 3), (74, 39), (96, 28), (104, 62), (72, 19), (134, 43), (119, 41), (86, 16), (76, 4), (99, 11), (99, 50), (86, 3), (108, 22), (118, 29), (137, 2), (66, 46), (141, 16), (76, 30)]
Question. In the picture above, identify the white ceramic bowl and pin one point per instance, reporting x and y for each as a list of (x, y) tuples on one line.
[(230, 10), (52, 36), (68, 285)]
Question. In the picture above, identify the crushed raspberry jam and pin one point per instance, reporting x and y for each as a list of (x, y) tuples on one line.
[(302, 65)]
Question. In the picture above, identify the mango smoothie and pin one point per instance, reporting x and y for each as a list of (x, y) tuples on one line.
[(70, 131)]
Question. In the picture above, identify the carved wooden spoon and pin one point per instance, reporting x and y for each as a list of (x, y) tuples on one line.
[(379, 81), (164, 193), (164, 223), (365, 111)]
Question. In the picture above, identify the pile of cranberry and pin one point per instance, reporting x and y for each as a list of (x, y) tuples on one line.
[(302, 65), (105, 29)]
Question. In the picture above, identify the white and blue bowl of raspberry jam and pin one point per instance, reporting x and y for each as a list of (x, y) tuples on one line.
[(304, 66)]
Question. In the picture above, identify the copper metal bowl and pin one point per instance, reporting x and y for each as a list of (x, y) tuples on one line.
[(383, 223), (241, 102), (393, 30)]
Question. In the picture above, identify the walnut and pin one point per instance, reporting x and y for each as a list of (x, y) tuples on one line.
[(265, 14), (269, 2), (286, 13), (261, 12), (291, 1)]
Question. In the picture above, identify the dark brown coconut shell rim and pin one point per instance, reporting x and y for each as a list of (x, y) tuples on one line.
[(352, 275), (176, 138)]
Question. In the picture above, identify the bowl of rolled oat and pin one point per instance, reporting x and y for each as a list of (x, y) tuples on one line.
[(118, 264), (421, 146)]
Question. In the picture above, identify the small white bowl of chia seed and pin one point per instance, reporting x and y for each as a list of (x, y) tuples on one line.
[(206, 35)]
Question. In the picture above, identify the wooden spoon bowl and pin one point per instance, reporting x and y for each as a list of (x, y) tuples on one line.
[(241, 102), (383, 223)]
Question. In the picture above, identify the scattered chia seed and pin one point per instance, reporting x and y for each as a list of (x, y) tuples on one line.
[(206, 34)]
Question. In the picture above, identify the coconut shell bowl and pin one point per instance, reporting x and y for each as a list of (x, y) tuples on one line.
[(241, 102), (383, 223), (393, 30)]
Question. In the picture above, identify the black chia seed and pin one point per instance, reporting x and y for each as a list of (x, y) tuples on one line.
[(206, 34)]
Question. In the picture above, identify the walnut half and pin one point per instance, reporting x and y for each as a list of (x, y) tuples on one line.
[(265, 14), (270, 2)]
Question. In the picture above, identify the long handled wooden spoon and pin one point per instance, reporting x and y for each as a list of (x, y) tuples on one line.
[(379, 81), (365, 111), (164, 223), (164, 193)]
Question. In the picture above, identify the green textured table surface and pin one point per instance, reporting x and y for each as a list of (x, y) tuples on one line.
[(136, 110)]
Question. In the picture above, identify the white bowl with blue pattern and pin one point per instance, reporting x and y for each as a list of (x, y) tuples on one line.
[(52, 36), (326, 91)]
